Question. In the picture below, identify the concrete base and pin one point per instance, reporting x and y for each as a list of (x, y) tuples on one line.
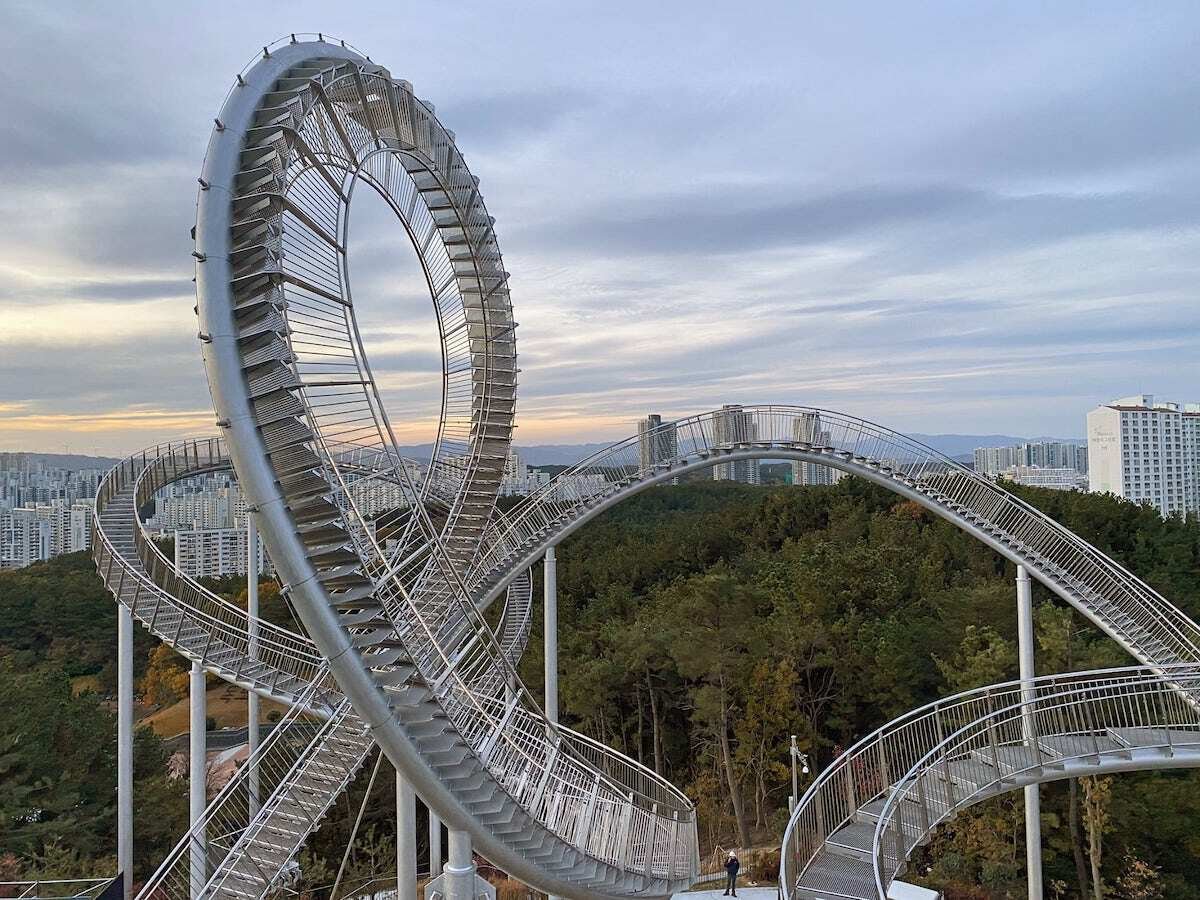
[(484, 890)]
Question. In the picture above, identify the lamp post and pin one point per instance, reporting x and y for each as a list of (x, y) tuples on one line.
[(803, 759)]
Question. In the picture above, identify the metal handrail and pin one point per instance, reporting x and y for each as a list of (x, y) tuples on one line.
[(1022, 715), (870, 766)]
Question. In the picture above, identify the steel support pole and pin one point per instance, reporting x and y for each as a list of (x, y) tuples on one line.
[(406, 840), (435, 845), (550, 629), (550, 638), (459, 871), (252, 699), (1033, 808), (795, 798), (125, 746), (196, 777)]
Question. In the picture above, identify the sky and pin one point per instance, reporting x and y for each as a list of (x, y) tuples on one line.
[(946, 217)]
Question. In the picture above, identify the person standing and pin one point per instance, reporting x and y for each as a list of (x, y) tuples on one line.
[(731, 869)]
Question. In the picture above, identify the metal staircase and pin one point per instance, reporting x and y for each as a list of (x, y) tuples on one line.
[(855, 827), (181, 612), (1141, 620)]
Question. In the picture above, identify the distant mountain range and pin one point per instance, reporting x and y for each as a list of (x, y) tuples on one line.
[(65, 460)]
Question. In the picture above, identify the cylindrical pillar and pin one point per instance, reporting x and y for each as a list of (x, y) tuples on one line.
[(435, 845), (1033, 811), (795, 798), (550, 638), (459, 871), (406, 840), (196, 777), (252, 699), (125, 746), (550, 630)]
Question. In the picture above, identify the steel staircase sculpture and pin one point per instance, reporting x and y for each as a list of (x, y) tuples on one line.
[(306, 126), (1141, 620), (396, 652)]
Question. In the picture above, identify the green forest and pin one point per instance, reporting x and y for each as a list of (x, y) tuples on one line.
[(700, 626)]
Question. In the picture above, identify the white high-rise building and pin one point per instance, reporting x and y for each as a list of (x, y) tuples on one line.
[(25, 538), (519, 480), (212, 552), (734, 426), (807, 430), (657, 442), (1147, 452)]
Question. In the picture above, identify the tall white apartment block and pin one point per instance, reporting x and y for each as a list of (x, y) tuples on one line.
[(212, 552), (807, 430), (657, 442), (1147, 452), (519, 480), (733, 426), (25, 538)]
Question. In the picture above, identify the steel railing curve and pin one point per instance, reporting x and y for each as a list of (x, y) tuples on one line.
[(1032, 732)]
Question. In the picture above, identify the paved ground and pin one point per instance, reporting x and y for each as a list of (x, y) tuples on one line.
[(744, 893)]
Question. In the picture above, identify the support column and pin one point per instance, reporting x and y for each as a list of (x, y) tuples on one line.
[(550, 638), (197, 738), (1033, 810), (125, 746), (550, 632), (435, 845), (252, 699), (459, 871), (406, 839)]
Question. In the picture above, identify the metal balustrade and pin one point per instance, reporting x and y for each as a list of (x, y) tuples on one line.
[(925, 765), (1017, 734), (225, 833)]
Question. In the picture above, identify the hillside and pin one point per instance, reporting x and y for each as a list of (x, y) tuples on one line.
[(701, 625)]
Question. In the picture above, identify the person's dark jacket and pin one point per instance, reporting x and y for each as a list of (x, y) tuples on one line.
[(732, 865)]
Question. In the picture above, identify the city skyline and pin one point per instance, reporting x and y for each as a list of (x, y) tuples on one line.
[(1000, 257)]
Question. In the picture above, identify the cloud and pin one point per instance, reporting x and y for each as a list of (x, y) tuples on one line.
[(946, 217)]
